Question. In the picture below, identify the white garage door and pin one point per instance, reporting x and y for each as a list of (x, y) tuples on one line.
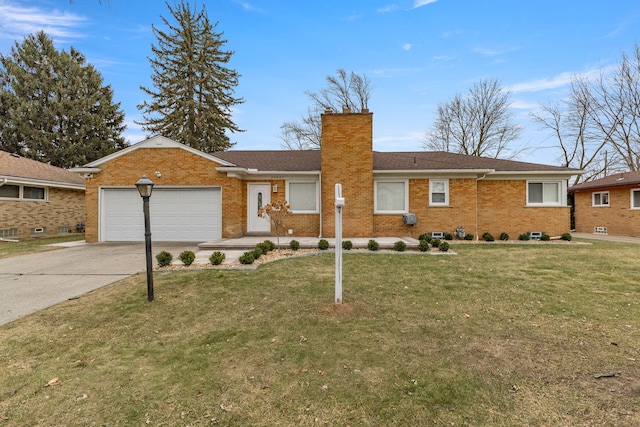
[(177, 215)]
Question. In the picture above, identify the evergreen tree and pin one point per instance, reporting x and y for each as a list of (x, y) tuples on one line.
[(193, 93), (53, 106)]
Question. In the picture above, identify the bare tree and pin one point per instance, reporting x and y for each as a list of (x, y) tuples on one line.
[(478, 124), (616, 110), (343, 90), (570, 121), (598, 128)]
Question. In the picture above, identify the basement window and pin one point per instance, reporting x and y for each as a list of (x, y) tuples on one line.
[(600, 199)]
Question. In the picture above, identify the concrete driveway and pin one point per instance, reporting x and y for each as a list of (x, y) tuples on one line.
[(29, 283)]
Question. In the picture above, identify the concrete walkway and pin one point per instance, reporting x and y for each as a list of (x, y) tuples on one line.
[(606, 237)]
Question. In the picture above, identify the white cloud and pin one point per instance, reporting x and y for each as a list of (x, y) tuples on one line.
[(420, 3), (555, 82), (18, 21), (387, 9), (249, 7), (406, 46), (495, 52)]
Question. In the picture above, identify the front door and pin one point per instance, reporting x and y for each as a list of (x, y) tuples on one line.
[(259, 195)]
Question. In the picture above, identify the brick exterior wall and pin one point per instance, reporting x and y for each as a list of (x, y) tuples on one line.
[(178, 167), (502, 207), (64, 208), (618, 217), (347, 159)]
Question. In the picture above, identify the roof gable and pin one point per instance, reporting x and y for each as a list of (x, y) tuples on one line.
[(157, 141), (16, 168)]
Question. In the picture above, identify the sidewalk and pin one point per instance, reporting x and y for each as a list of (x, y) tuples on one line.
[(606, 237)]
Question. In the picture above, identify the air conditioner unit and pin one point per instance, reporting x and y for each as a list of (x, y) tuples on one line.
[(409, 219), (600, 230)]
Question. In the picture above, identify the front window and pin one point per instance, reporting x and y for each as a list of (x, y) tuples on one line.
[(545, 193), (635, 199), (439, 192), (10, 191), (14, 191), (391, 197), (600, 199), (303, 196)]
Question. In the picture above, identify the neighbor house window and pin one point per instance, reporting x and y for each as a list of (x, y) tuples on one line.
[(545, 193), (439, 192), (600, 199), (391, 196), (635, 199), (302, 196), (11, 191)]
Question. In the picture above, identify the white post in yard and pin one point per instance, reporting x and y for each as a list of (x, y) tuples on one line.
[(338, 251)]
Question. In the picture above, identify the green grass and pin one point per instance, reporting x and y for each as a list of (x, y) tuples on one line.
[(499, 335), (9, 249)]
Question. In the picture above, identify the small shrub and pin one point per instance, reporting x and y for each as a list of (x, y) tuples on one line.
[(187, 257), (523, 236), (423, 245), (468, 236), (294, 245), (566, 236), (448, 236), (444, 246), (264, 248), (164, 258), (545, 237), (373, 245), (216, 258), (399, 246), (347, 245), (435, 243), (488, 237), (247, 258), (269, 244), (425, 236), (257, 253), (504, 236), (323, 245)]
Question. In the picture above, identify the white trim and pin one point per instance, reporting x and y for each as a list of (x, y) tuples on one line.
[(446, 192), (405, 182), (601, 205), (303, 181), (33, 182), (562, 193), (157, 141)]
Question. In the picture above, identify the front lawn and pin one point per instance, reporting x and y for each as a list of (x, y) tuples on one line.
[(498, 335), (9, 249)]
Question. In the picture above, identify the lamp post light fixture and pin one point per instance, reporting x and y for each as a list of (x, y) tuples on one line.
[(145, 187)]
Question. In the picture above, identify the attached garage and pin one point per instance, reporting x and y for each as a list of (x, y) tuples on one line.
[(190, 214)]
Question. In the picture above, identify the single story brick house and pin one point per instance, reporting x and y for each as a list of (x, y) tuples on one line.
[(202, 197), (37, 199), (609, 205)]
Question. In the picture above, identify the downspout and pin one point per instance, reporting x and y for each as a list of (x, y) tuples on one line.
[(320, 190), (4, 181), (478, 179)]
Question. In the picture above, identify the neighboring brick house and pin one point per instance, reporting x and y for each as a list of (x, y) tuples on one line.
[(200, 197), (609, 205), (37, 199)]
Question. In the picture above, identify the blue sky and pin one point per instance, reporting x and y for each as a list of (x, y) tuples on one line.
[(417, 53)]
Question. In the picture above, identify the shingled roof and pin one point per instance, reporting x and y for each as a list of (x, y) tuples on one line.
[(616, 180), (310, 160), (14, 167)]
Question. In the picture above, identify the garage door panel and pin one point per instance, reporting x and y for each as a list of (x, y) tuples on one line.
[(189, 214)]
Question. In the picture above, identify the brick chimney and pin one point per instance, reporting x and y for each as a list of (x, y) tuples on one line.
[(347, 159)]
